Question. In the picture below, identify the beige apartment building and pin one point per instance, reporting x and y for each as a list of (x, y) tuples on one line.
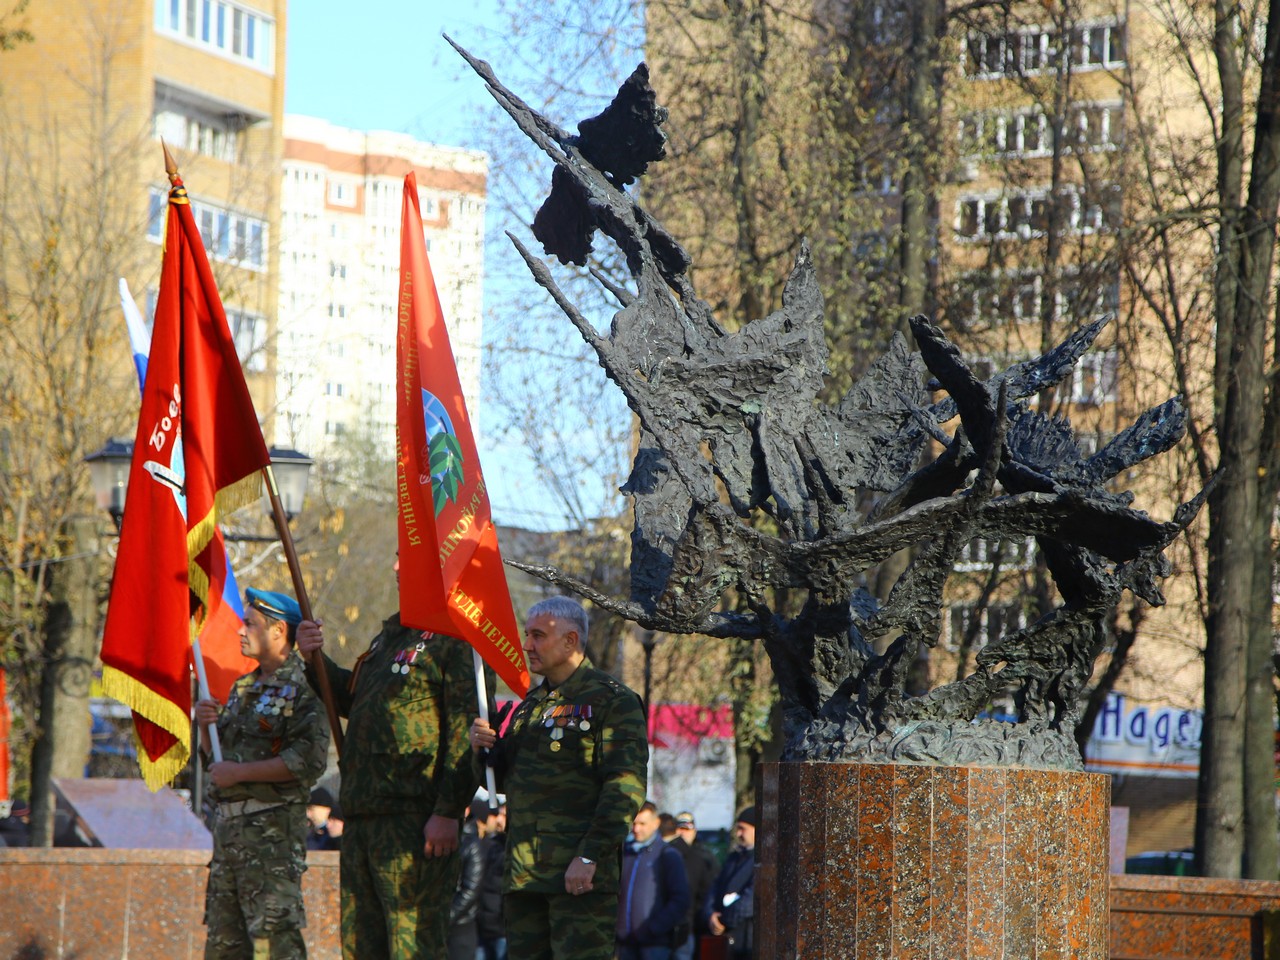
[(1053, 175), (339, 274), (1051, 182), (85, 105)]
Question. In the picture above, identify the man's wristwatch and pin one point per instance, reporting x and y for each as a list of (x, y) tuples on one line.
[(589, 863)]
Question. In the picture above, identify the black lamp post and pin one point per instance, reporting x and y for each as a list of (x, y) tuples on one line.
[(648, 640), (109, 474)]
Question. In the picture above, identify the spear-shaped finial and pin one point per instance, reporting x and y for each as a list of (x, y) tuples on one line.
[(170, 165)]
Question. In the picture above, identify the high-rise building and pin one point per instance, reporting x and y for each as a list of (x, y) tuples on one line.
[(340, 270), (85, 105)]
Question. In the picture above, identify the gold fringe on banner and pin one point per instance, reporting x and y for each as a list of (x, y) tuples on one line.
[(165, 714), (226, 501)]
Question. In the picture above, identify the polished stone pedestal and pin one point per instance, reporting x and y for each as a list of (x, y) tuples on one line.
[(863, 861)]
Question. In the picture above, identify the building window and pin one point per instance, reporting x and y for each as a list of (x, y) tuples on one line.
[(1025, 213), (342, 193), (229, 28), (1089, 127), (988, 624), (228, 235), (1084, 298), (1093, 381), (198, 132), (980, 553), (986, 297), (1034, 50), (249, 332)]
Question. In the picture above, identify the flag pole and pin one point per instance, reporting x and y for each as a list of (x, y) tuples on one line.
[(202, 680), (300, 589), (482, 696)]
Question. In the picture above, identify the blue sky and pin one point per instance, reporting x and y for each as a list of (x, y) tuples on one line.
[(387, 67), (384, 66)]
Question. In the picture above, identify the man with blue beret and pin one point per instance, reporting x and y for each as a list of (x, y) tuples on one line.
[(275, 745)]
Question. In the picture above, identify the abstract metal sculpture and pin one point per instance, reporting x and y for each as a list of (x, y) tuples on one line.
[(732, 428)]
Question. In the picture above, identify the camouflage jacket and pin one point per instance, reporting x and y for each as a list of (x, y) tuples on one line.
[(409, 701), (574, 764), (276, 717)]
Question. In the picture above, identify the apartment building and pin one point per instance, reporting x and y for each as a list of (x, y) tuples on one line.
[(86, 104), (1058, 131), (339, 275)]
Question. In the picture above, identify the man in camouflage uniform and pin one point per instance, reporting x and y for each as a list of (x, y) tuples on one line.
[(275, 743), (406, 782), (573, 764)]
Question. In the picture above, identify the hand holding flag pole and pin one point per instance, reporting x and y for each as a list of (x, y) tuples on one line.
[(482, 695), (215, 744), (300, 590)]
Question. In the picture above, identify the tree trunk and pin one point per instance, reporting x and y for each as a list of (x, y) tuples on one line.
[(1262, 845), (917, 241), (1234, 731), (63, 736)]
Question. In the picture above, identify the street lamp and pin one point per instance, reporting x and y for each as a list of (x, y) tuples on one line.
[(109, 474), (292, 471)]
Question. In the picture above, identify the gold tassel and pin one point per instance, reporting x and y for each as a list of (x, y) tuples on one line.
[(163, 713)]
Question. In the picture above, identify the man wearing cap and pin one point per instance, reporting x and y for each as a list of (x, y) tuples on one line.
[(701, 868), (730, 906), (319, 815), (574, 761), (406, 781), (275, 743)]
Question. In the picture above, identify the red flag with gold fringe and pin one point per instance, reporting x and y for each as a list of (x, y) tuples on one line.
[(197, 456), (451, 575)]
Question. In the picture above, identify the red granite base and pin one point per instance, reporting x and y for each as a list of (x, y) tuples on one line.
[(1194, 918), (878, 861), (86, 903)]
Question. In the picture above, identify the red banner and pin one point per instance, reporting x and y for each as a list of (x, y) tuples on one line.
[(451, 575), (220, 634), (197, 455)]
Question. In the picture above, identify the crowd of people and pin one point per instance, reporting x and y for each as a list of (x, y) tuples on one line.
[(575, 865)]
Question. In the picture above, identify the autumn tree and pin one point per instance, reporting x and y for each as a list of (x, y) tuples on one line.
[(1207, 153), (72, 211)]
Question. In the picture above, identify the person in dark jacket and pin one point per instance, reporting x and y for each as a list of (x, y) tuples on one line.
[(653, 897), (701, 868), (462, 911), (730, 906), (491, 930)]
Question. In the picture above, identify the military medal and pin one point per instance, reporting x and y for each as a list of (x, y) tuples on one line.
[(406, 658), (555, 746)]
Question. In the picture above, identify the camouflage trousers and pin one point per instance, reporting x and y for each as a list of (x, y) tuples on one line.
[(253, 900), (395, 899), (560, 926)]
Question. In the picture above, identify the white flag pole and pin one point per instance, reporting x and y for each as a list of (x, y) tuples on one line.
[(482, 696), (203, 682)]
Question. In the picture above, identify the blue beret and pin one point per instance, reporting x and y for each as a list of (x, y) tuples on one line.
[(277, 606)]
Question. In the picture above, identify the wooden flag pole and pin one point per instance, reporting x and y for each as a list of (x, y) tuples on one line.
[(300, 590)]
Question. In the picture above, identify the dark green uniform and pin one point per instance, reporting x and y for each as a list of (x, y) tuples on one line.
[(253, 902), (405, 756), (574, 765)]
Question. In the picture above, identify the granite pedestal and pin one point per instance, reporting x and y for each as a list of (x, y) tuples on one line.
[(863, 861)]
